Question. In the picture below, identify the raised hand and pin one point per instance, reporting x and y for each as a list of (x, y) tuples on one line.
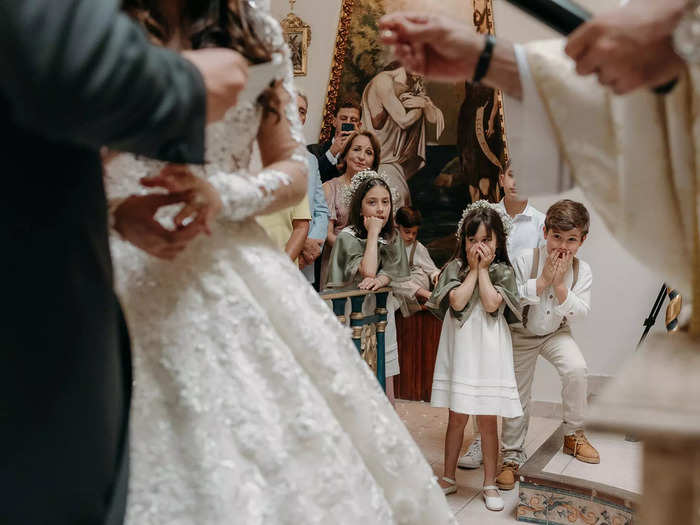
[(178, 178), (549, 269), (339, 143), (473, 258), (629, 47), (135, 222), (413, 102), (436, 47), (373, 225), (486, 256), (562, 267), (225, 74)]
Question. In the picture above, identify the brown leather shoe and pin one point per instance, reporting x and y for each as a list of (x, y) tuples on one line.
[(506, 479), (577, 445)]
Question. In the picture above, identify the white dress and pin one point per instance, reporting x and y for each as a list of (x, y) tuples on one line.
[(251, 404), (474, 364)]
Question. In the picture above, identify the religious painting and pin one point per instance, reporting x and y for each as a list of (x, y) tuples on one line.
[(297, 34), (441, 145)]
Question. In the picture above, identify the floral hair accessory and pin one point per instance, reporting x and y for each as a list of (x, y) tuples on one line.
[(363, 176), (482, 204)]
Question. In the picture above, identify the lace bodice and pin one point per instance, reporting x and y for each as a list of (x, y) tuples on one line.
[(229, 145)]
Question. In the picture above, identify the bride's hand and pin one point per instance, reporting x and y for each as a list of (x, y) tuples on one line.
[(205, 204), (135, 222)]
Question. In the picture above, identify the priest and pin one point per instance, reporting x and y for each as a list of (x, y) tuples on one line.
[(637, 159)]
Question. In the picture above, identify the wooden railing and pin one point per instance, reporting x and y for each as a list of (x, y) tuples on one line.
[(358, 320)]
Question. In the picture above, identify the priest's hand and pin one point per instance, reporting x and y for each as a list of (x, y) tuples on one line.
[(433, 46), (440, 48), (629, 47)]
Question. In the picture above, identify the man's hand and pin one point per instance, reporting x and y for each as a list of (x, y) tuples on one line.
[(311, 250), (339, 143), (205, 203), (135, 222), (225, 73), (433, 46), (629, 47)]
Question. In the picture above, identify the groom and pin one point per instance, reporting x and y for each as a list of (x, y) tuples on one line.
[(75, 76)]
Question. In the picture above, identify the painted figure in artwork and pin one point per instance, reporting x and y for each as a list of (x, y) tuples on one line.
[(395, 107)]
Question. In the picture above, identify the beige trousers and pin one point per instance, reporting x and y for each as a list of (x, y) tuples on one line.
[(560, 349)]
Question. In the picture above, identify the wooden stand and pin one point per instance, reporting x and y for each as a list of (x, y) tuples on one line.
[(418, 337)]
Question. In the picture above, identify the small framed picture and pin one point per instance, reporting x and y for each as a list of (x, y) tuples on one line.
[(297, 33)]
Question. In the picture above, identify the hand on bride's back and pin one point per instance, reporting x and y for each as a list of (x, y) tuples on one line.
[(134, 220), (205, 203)]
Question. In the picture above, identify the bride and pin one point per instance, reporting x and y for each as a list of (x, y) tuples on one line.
[(251, 404)]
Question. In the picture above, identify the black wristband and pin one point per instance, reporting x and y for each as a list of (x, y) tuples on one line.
[(482, 66), (666, 88)]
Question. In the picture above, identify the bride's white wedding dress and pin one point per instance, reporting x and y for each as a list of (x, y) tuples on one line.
[(251, 404)]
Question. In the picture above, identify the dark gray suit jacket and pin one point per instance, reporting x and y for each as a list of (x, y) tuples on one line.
[(74, 75), (327, 170)]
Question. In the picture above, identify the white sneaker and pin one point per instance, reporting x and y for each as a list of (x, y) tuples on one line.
[(494, 503), (472, 458)]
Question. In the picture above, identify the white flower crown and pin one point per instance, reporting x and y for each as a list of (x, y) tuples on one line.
[(482, 204), (362, 176)]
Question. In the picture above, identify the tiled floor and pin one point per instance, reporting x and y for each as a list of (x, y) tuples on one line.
[(427, 426), (620, 465)]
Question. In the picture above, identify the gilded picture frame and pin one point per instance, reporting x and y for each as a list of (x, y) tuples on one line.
[(297, 34)]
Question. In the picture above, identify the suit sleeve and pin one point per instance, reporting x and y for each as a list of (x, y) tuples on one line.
[(80, 71), (319, 221), (327, 170)]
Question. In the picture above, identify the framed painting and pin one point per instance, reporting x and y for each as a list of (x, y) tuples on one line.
[(297, 34), (442, 145)]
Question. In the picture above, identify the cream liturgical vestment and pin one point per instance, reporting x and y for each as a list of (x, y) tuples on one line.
[(636, 158)]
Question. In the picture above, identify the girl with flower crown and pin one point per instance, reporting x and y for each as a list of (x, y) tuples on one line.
[(369, 254), (474, 365), (361, 152)]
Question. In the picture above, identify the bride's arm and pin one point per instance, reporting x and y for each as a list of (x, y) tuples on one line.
[(282, 149), (283, 180)]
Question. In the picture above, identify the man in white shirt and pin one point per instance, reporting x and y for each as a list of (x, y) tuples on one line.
[(528, 221), (555, 288)]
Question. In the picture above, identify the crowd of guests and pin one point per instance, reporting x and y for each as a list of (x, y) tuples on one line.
[(506, 297)]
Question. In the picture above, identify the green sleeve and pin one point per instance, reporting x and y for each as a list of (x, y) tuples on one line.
[(450, 278), (393, 261), (503, 279), (346, 256)]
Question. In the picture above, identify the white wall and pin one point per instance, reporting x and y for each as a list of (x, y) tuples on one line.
[(623, 290), (322, 16)]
